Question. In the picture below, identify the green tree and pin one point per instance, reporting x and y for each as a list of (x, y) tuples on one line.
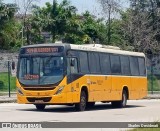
[(53, 18), (8, 26), (62, 21), (61, 15)]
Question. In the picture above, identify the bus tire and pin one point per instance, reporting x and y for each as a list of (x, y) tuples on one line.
[(40, 106), (81, 106), (122, 103), (90, 104)]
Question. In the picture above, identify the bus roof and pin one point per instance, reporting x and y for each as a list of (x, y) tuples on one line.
[(89, 48), (105, 50)]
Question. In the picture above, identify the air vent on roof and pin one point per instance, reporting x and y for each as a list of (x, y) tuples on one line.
[(58, 42), (103, 46)]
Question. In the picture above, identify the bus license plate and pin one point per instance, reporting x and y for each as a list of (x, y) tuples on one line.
[(39, 101)]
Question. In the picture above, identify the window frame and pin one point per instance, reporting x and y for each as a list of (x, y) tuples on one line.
[(95, 53), (145, 73), (129, 74), (131, 63), (120, 73), (106, 73)]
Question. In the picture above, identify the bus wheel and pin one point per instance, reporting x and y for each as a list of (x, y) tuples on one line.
[(122, 103), (83, 100), (40, 106), (90, 104)]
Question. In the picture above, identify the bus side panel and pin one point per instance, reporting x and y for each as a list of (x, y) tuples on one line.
[(139, 87), (135, 84), (106, 88), (116, 93), (142, 87), (118, 82), (76, 86), (100, 88), (96, 87)]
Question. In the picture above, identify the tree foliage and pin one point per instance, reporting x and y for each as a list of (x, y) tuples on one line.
[(8, 26), (144, 25), (63, 23), (136, 28)]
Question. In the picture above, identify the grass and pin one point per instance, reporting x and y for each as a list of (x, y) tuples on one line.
[(145, 129), (156, 83), (4, 82)]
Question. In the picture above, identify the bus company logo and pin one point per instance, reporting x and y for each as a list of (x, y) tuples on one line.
[(6, 125)]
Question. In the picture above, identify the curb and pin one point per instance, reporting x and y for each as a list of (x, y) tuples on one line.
[(9, 101)]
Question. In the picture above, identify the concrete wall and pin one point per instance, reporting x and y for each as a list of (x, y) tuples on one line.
[(4, 57)]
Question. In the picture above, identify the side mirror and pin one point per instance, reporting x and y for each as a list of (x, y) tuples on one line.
[(13, 65), (72, 62)]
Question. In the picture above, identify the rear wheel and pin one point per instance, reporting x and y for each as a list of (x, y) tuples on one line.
[(40, 106), (83, 100), (122, 103)]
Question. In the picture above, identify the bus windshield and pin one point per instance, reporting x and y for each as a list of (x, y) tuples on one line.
[(36, 70)]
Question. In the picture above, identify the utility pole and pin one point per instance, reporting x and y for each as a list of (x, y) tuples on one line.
[(109, 24)]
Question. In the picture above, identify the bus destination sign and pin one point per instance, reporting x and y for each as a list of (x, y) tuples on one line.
[(41, 50), (35, 50)]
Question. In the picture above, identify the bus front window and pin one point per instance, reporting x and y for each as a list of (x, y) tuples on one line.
[(40, 70)]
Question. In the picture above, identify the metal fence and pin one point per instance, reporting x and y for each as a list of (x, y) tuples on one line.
[(7, 77)]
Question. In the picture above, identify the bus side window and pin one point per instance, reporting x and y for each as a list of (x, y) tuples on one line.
[(72, 66), (142, 70)]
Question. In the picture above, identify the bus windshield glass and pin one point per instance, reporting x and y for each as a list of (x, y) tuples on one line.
[(36, 70)]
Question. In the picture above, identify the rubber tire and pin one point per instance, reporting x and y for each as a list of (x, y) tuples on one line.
[(90, 104), (122, 103), (81, 106), (40, 106)]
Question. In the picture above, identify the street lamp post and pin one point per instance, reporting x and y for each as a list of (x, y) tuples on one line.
[(22, 35), (22, 31), (109, 24)]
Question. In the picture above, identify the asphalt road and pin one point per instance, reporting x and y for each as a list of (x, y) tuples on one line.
[(136, 111)]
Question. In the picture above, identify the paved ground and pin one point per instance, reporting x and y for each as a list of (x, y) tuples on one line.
[(137, 111)]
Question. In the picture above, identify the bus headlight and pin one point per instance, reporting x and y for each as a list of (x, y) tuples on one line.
[(19, 91), (59, 90)]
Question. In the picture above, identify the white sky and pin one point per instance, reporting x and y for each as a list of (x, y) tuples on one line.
[(81, 5)]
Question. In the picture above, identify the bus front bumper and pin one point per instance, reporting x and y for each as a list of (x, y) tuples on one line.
[(55, 99)]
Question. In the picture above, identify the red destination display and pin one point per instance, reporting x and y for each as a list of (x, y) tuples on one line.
[(31, 77), (42, 50)]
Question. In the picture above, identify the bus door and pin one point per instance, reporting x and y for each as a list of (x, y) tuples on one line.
[(72, 80)]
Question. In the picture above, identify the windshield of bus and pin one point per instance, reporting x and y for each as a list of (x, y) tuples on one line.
[(36, 70)]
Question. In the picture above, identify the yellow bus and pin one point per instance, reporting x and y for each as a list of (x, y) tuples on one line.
[(80, 75)]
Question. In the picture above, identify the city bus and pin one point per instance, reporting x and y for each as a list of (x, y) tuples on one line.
[(79, 75)]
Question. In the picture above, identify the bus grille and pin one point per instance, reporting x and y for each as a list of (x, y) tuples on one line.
[(39, 88), (44, 99)]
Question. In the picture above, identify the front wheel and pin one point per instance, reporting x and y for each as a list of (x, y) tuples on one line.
[(122, 103), (40, 106), (81, 106)]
